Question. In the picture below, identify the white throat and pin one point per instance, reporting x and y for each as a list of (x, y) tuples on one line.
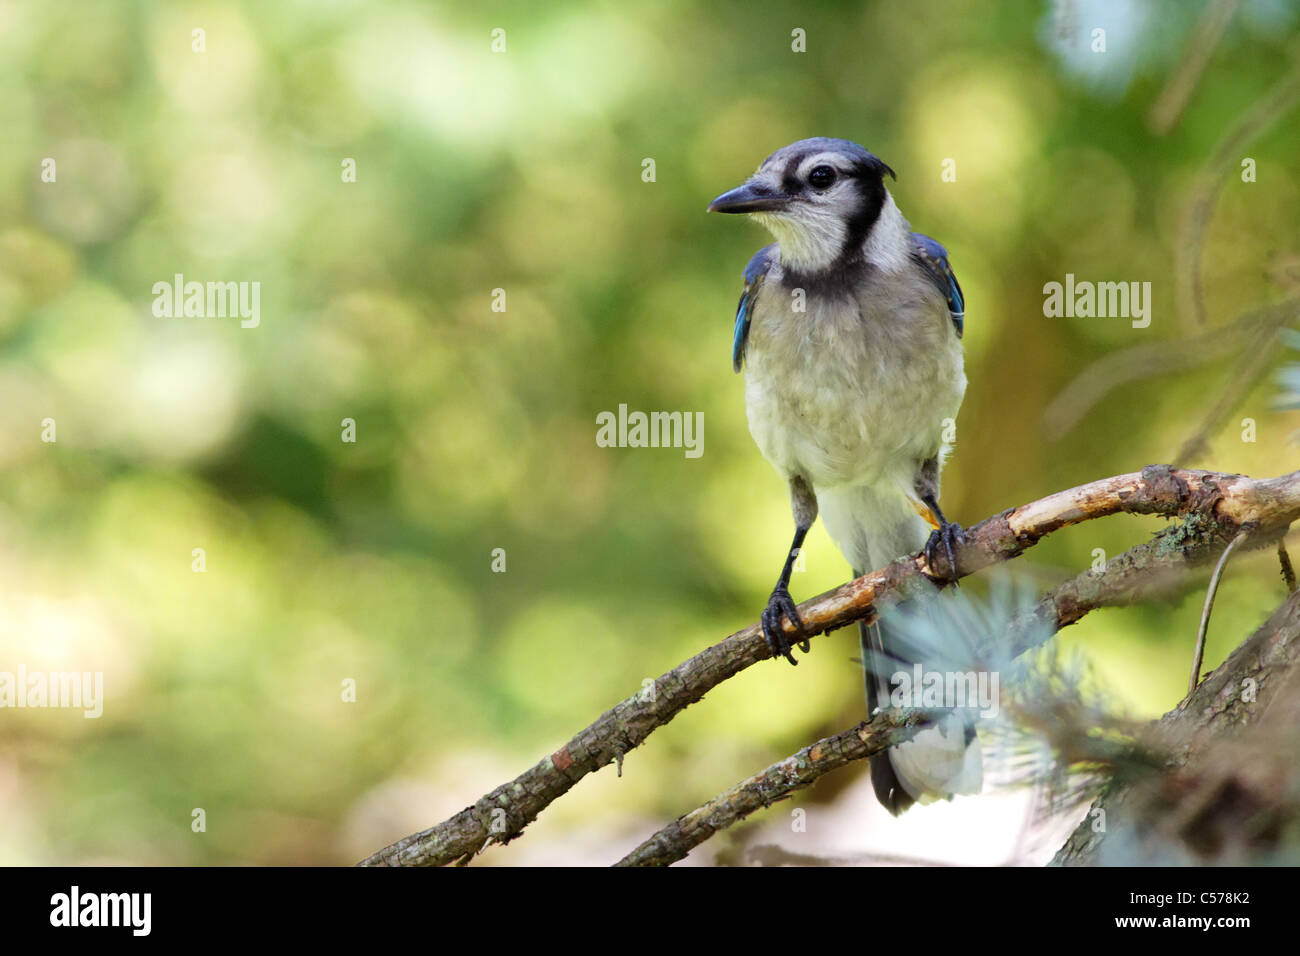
[(811, 240)]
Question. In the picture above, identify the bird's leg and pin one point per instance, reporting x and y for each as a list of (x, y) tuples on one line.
[(780, 604), (948, 533)]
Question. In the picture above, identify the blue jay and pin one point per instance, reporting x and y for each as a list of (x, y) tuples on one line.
[(849, 334)]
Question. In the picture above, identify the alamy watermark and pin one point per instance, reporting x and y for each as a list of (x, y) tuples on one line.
[(211, 300), (1102, 300), (931, 688), (81, 690), (651, 430), (131, 911)]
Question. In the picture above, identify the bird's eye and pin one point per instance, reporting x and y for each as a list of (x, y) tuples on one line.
[(821, 177)]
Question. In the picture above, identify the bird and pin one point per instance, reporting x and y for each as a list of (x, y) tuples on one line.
[(848, 333)]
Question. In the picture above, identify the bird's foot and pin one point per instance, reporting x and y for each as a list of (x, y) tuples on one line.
[(947, 534), (779, 605)]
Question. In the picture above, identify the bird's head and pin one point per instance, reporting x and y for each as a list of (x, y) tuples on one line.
[(819, 197)]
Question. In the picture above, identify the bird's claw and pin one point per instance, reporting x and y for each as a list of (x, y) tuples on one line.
[(947, 534), (779, 605)]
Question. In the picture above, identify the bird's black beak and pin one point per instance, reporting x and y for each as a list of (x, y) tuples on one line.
[(751, 197)]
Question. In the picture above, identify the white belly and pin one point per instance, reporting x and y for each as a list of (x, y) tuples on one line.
[(847, 400)]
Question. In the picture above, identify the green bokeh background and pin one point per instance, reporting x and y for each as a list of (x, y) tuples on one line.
[(522, 170)]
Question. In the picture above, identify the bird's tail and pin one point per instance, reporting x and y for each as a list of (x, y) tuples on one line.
[(938, 762), (873, 526)]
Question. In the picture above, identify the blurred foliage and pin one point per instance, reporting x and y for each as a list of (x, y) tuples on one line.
[(1289, 374), (521, 171)]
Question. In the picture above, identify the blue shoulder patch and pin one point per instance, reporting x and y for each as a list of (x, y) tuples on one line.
[(755, 272), (934, 258)]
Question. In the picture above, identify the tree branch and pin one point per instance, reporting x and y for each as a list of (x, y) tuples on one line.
[(1229, 501), (1238, 694), (1158, 568), (777, 782)]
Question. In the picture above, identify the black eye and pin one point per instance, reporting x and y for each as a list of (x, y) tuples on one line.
[(821, 177)]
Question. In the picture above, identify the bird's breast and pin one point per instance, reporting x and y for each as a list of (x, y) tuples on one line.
[(846, 393)]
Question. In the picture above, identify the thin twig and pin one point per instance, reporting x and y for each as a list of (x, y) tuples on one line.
[(1258, 356), (1199, 653), (1205, 190), (1171, 102), (1142, 362)]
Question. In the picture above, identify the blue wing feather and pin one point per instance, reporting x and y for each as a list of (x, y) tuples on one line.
[(755, 272), (934, 258)]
